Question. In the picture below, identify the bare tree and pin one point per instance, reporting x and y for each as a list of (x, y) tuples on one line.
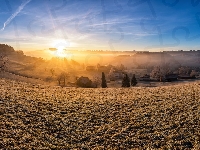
[(193, 73), (62, 77), (185, 70), (52, 71), (156, 73), (96, 81), (159, 72)]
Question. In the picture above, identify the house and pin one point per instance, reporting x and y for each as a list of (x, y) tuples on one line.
[(52, 49), (198, 76), (186, 77), (171, 77), (104, 68), (145, 77), (90, 68), (116, 74)]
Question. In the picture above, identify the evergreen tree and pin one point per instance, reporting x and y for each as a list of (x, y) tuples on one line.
[(126, 81), (133, 80), (103, 81)]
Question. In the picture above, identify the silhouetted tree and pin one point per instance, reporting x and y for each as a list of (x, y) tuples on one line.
[(126, 81), (103, 81), (84, 82), (133, 80), (62, 78)]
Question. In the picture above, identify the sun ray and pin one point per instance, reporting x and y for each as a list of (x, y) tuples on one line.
[(60, 46)]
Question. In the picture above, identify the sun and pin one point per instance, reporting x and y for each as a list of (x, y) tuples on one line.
[(60, 48), (60, 52)]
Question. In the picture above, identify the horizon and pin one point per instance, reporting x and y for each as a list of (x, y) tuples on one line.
[(100, 25), (48, 55)]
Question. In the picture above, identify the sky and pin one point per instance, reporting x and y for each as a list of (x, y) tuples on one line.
[(122, 25)]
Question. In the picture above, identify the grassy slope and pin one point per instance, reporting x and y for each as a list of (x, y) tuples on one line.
[(54, 117)]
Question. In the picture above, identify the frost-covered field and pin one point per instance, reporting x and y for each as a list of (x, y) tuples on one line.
[(44, 117)]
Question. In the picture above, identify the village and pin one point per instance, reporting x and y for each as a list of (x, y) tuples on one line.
[(157, 77), (149, 68)]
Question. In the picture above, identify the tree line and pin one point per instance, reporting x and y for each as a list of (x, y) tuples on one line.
[(126, 82)]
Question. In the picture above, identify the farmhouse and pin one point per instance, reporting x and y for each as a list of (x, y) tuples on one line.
[(171, 77), (145, 77), (105, 68), (90, 68), (116, 74), (186, 77)]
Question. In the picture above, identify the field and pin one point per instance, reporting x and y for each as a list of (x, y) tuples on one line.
[(45, 117)]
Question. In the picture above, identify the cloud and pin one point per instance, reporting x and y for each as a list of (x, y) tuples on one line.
[(15, 14)]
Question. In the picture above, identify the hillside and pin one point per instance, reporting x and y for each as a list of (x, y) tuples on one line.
[(44, 117), (17, 65), (26, 68)]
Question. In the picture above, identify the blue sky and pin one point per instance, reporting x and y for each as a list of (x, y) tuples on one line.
[(153, 25)]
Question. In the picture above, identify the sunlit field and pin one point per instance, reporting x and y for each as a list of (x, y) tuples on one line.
[(45, 117)]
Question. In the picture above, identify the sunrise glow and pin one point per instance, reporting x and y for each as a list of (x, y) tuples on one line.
[(99, 74), (100, 25)]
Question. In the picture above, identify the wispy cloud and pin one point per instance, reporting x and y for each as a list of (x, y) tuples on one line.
[(15, 14)]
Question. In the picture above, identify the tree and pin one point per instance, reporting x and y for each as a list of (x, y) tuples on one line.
[(133, 80), (184, 70), (122, 67), (193, 74), (52, 71), (96, 81), (157, 73), (62, 78), (103, 81), (126, 81), (84, 82)]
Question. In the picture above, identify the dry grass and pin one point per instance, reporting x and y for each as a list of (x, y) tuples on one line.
[(44, 117)]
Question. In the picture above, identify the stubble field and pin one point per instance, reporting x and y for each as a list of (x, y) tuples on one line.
[(44, 117)]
